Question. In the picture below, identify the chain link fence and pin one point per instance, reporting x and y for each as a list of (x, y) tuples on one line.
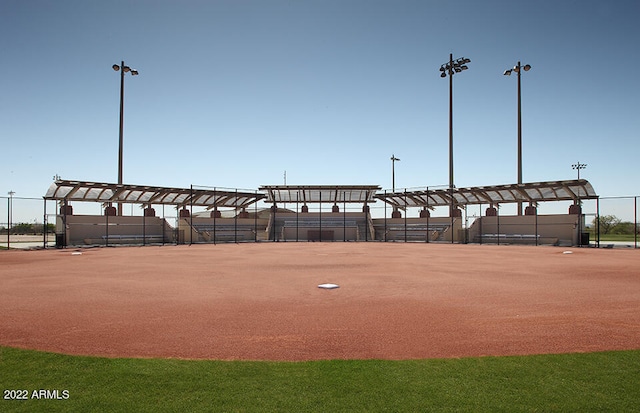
[(606, 222)]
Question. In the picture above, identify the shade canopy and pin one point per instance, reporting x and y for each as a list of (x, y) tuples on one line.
[(320, 193), (572, 190), (64, 190)]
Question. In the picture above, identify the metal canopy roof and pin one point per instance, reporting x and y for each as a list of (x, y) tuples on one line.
[(138, 194), (570, 190), (527, 192), (320, 193)]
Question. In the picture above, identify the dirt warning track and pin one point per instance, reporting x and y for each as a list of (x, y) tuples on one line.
[(262, 301)]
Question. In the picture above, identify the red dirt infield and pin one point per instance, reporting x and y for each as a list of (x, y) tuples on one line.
[(262, 301)]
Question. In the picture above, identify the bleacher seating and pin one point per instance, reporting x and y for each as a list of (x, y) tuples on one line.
[(319, 227), (126, 239), (414, 232)]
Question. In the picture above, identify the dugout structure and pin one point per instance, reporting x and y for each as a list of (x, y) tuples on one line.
[(530, 228), (320, 225), (110, 229), (332, 216)]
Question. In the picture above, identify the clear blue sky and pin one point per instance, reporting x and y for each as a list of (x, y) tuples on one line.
[(232, 93)]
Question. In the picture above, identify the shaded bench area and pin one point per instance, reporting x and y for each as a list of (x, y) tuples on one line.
[(335, 214), (318, 227), (220, 230), (424, 229)]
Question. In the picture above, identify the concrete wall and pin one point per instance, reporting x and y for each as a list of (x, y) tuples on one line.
[(561, 229), (100, 230)]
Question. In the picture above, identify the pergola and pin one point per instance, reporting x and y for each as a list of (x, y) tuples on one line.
[(64, 190), (571, 190)]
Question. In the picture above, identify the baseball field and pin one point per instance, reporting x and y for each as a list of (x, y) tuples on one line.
[(258, 307)]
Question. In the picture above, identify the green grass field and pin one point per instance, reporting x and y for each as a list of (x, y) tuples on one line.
[(592, 382), (615, 237)]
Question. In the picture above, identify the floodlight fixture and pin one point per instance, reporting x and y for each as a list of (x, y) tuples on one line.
[(578, 166), (454, 66)]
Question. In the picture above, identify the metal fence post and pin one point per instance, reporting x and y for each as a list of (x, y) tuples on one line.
[(498, 222), (344, 215), (385, 216), (428, 214), (9, 222), (406, 210)]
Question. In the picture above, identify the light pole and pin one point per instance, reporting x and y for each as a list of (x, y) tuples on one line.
[(451, 68), (123, 69), (578, 207), (393, 172), (518, 69), (395, 213), (578, 166)]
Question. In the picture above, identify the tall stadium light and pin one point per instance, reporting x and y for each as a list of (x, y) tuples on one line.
[(450, 68), (393, 172), (122, 69), (578, 166), (518, 69)]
